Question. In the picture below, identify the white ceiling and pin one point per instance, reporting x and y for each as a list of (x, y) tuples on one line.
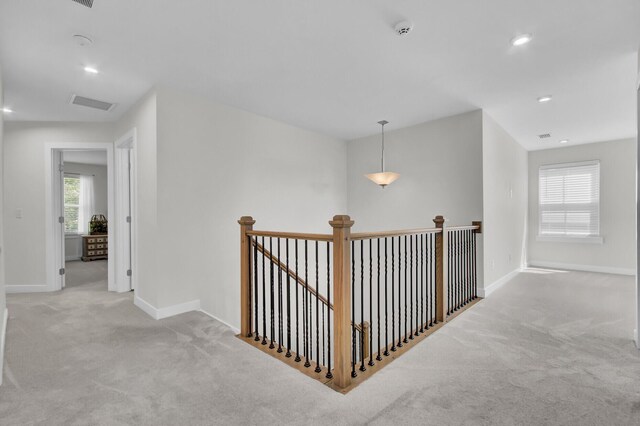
[(336, 66)]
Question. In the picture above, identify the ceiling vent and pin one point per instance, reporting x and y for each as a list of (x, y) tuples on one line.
[(91, 103), (88, 3), (544, 135)]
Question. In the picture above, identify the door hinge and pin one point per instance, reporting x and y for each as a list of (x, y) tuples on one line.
[(61, 219), (61, 271), (61, 167), (128, 219), (129, 272)]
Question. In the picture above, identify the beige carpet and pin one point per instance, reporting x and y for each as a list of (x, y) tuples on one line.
[(78, 273), (546, 349)]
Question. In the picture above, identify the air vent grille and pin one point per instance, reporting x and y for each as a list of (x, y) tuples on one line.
[(544, 135), (91, 103), (88, 3)]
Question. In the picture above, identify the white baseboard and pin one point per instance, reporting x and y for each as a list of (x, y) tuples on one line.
[(585, 268), (30, 288), (169, 311), (146, 307), (234, 329), (484, 292), (3, 334), (166, 312)]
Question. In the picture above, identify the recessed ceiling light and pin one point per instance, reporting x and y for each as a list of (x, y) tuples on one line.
[(91, 70), (564, 141), (521, 39), (543, 99), (7, 110)]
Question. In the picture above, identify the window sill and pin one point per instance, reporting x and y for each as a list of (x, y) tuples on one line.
[(566, 239)]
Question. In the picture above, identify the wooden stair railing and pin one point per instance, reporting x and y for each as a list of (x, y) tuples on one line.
[(360, 328), (416, 280)]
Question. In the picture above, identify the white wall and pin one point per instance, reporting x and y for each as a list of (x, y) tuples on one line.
[(24, 165), (617, 209), (636, 332), (216, 164), (505, 201), (440, 166), (143, 117), (3, 304)]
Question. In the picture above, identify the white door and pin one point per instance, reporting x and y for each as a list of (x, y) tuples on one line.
[(125, 212), (58, 205)]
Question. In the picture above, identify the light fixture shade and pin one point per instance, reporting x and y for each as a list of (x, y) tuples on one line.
[(383, 178)]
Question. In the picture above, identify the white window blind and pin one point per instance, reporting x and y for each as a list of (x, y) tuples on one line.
[(569, 199)]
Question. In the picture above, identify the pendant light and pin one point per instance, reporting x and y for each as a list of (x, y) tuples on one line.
[(383, 178)]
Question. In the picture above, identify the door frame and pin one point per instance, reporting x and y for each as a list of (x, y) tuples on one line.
[(54, 239), (125, 181)]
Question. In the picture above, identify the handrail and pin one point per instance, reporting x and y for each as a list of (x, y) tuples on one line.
[(292, 274), (462, 228), (291, 235), (296, 278), (369, 235)]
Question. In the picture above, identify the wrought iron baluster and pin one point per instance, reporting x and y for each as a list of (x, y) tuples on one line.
[(417, 285), (410, 287), (475, 259), (371, 301), (329, 374), (399, 292), (450, 274), (272, 298), (362, 342), (280, 334), (386, 303), (379, 356), (405, 289), (393, 302), (255, 284), (467, 264), (353, 310), (422, 282), (297, 358), (264, 296), (307, 306), (318, 369), (288, 354)]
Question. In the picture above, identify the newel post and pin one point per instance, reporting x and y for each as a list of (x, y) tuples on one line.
[(441, 271), (342, 299), (246, 224)]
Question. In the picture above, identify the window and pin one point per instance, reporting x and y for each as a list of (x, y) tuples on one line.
[(78, 203), (71, 203), (569, 200)]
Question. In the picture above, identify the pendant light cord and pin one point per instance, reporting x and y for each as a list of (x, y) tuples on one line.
[(382, 159)]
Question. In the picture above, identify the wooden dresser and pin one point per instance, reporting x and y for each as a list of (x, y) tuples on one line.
[(94, 247)]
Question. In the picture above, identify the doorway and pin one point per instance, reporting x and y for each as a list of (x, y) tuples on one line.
[(118, 244), (85, 209)]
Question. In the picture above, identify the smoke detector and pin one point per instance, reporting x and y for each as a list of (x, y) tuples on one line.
[(403, 28)]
